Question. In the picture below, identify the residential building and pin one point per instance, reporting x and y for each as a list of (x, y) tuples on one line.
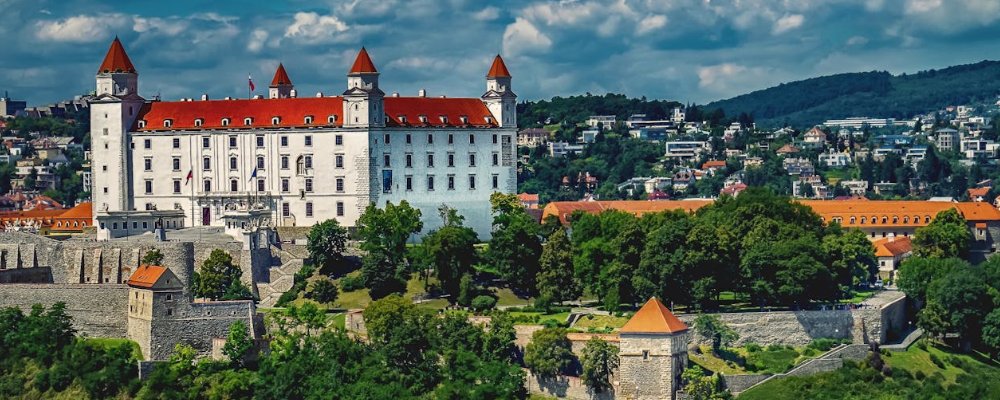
[(835, 160), (976, 148), (860, 122), (856, 187), (686, 150), (814, 136), (528, 200), (11, 108), (560, 149), (787, 150), (946, 139), (296, 161), (602, 121), (979, 194), (532, 137), (890, 252)]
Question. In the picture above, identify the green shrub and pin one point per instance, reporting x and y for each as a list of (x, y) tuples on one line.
[(922, 344), (919, 375), (774, 347), (937, 361), (351, 283), (753, 347), (483, 303), (824, 344)]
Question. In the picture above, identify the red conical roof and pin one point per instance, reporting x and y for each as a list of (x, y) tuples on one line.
[(499, 69), (653, 317), (116, 60), (363, 64), (280, 77)]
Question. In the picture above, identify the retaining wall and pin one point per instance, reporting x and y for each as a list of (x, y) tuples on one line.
[(97, 310), (564, 387)]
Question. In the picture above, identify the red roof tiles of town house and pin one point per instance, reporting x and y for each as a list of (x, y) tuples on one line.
[(498, 69), (563, 209), (291, 113), (892, 247), (146, 276), (903, 213), (407, 111), (979, 192), (281, 77), (653, 317), (363, 64), (713, 164), (82, 210), (528, 197), (116, 60)]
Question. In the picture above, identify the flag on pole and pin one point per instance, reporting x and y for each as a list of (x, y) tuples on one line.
[(253, 174), (250, 79), (189, 176)]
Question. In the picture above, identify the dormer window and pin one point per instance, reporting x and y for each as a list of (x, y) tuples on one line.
[(331, 119), (464, 119), (168, 123), (247, 121), (308, 120), (489, 120), (225, 122), (444, 119), (198, 121), (142, 124), (423, 119), (275, 120), (402, 119)]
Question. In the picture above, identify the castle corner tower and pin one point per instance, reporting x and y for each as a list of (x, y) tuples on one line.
[(363, 100), (499, 97), (652, 353), (281, 86)]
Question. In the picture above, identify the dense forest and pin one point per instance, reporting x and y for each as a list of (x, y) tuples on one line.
[(873, 94), (578, 108)]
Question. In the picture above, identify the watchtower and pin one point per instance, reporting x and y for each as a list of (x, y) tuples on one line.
[(652, 353)]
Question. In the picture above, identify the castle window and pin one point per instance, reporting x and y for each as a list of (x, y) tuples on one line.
[(895, 219), (208, 185), (168, 123), (885, 220), (309, 140), (260, 185), (284, 162), (472, 182), (260, 162), (386, 138), (309, 162), (198, 122), (430, 138), (340, 209), (225, 122), (247, 121), (233, 163), (309, 185), (275, 120), (451, 182), (284, 185), (338, 161), (423, 118), (402, 119), (645, 355), (234, 185), (142, 124), (472, 159), (309, 209), (906, 220), (286, 210), (170, 311), (170, 296), (284, 141), (308, 120), (409, 160), (863, 220), (339, 185), (927, 219), (489, 120), (331, 119), (472, 139), (494, 139), (444, 119), (177, 185), (854, 220), (147, 143), (206, 142), (206, 163), (496, 181), (496, 158), (176, 163), (464, 119), (338, 140), (451, 139)]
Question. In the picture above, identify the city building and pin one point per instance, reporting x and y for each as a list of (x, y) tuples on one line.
[(532, 137), (686, 150), (946, 139), (560, 149), (11, 108), (602, 121), (890, 252), (294, 161)]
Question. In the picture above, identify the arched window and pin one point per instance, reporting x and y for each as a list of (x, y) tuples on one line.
[(168, 123), (300, 165), (906, 219), (308, 120), (142, 124), (927, 219), (225, 122), (247, 121), (275, 120), (885, 219), (198, 121), (854, 220), (863, 219), (895, 219), (331, 119)]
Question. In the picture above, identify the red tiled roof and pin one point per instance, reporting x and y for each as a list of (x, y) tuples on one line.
[(897, 213), (528, 197), (292, 113), (146, 276), (892, 247), (498, 69), (733, 189), (979, 192), (363, 64), (787, 149), (714, 164), (432, 109), (281, 77), (654, 317), (82, 210), (116, 60), (563, 209)]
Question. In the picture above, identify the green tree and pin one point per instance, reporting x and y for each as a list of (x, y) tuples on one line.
[(515, 247), (933, 319), (963, 294), (699, 386), (555, 275), (711, 327), (451, 250), (238, 344), (991, 332), (218, 276), (917, 273), (384, 233), (323, 291), (600, 361), (946, 236), (326, 244), (851, 256), (153, 257), (549, 352), (402, 335)]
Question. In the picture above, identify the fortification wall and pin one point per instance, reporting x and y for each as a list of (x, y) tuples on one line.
[(564, 387), (97, 310), (196, 325)]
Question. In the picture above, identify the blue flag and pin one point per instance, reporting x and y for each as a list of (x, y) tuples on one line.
[(253, 174)]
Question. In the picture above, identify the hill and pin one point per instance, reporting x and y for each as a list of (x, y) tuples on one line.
[(874, 94)]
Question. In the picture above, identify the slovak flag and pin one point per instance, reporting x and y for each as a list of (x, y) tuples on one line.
[(253, 174), (188, 179), (250, 79)]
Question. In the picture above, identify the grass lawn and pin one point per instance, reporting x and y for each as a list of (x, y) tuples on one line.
[(507, 298), (536, 318), (599, 322), (912, 374), (360, 298), (740, 360), (338, 320), (860, 296)]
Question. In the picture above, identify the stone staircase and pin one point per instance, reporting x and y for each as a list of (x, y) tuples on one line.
[(281, 275)]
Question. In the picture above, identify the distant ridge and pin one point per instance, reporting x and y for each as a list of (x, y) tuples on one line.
[(873, 94)]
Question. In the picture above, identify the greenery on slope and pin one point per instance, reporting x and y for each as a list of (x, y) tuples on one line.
[(874, 94)]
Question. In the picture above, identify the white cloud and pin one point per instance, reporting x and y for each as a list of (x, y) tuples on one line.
[(169, 27), (487, 14), (650, 24), (257, 39), (312, 28), (523, 37), (564, 12), (857, 41), (421, 63), (80, 28), (787, 23), (716, 76)]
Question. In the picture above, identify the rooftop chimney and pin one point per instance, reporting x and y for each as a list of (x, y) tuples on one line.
[(319, 94), (293, 94), (421, 93), (204, 97), (395, 94)]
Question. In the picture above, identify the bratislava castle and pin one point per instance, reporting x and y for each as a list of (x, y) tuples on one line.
[(291, 160)]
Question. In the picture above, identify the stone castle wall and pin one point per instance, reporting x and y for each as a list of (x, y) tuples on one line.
[(197, 325), (564, 387), (97, 310)]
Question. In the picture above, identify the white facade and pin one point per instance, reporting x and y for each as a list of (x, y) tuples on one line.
[(330, 164)]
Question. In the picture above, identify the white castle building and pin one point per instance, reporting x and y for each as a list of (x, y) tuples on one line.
[(287, 160)]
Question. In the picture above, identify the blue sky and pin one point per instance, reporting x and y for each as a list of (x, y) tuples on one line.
[(685, 50)]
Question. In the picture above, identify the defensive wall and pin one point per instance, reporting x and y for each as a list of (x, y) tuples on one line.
[(97, 310)]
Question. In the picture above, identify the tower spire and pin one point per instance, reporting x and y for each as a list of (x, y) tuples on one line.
[(116, 60), (363, 64)]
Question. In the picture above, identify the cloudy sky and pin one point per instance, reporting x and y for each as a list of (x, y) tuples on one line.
[(686, 50)]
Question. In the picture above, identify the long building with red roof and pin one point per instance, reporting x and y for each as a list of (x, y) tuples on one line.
[(291, 160)]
